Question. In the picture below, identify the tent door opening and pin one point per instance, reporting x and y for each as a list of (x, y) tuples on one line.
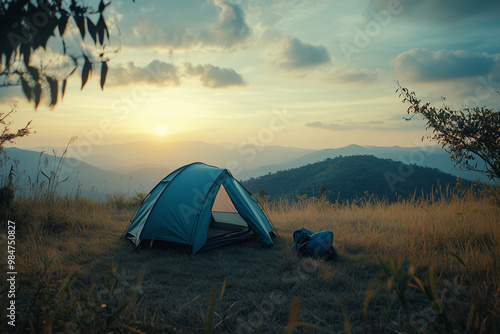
[(226, 221)]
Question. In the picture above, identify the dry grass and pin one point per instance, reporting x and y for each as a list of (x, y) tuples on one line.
[(425, 232), (255, 286)]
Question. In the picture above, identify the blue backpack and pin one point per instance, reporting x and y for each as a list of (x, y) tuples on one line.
[(317, 245)]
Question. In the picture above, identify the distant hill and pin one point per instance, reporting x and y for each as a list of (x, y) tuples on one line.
[(245, 160), (138, 166), (350, 177), (127, 168), (129, 157), (426, 156), (75, 176)]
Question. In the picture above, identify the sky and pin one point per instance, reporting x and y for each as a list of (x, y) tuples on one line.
[(310, 74)]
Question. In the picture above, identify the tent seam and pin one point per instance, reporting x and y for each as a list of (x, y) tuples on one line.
[(263, 210), (159, 195), (214, 183)]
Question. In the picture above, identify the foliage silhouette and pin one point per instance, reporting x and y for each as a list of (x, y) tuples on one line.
[(27, 28), (6, 135), (467, 135)]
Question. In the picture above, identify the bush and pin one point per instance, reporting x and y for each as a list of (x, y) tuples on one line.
[(122, 201)]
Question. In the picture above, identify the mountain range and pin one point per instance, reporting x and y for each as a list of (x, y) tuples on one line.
[(95, 171)]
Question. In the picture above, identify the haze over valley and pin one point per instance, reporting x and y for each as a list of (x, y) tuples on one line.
[(138, 166)]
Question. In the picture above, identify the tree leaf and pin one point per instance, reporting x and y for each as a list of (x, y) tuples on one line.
[(80, 23), (101, 28), (107, 31), (102, 6), (63, 22), (26, 89), (43, 36), (54, 86), (75, 61), (8, 52), (25, 50), (87, 69), (104, 73), (91, 27), (34, 73), (63, 88), (38, 94)]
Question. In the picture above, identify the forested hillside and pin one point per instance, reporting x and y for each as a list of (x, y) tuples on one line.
[(351, 177)]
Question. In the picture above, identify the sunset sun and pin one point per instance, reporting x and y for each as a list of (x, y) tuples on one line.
[(161, 130)]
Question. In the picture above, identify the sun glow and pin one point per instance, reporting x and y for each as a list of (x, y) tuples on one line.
[(161, 130)]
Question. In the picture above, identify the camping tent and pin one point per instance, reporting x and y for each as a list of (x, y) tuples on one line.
[(199, 206)]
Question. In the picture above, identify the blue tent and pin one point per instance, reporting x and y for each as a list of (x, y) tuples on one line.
[(200, 206)]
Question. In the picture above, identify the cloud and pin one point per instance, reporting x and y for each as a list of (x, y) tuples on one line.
[(156, 73), (212, 76), (11, 94), (355, 75), (345, 126), (297, 54), (176, 29), (443, 11), (162, 74), (148, 33), (231, 29), (421, 65)]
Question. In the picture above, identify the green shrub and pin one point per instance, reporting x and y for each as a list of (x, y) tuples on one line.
[(122, 201)]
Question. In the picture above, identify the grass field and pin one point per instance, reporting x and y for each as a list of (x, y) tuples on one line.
[(77, 275)]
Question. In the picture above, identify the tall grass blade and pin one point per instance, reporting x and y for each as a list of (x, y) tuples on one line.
[(210, 314), (223, 288), (293, 316), (370, 294)]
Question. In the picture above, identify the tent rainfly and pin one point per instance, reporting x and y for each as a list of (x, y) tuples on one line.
[(199, 206)]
